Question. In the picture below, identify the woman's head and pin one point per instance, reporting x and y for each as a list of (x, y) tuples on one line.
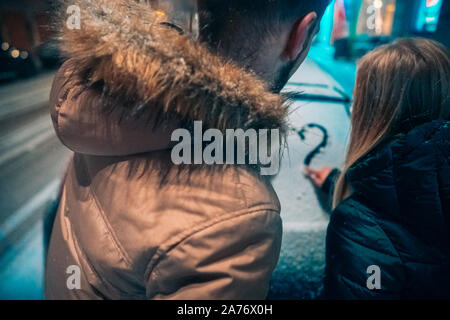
[(398, 86)]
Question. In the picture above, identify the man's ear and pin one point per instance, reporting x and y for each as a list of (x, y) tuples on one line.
[(299, 36)]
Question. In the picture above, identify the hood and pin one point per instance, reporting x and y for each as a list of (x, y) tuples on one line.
[(147, 67), (408, 178)]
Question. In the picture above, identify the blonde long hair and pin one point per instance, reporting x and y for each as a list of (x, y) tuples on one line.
[(398, 87)]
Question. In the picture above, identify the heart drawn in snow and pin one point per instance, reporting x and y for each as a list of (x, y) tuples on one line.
[(301, 132)]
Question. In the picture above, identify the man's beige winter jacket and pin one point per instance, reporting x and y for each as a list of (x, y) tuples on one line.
[(135, 225)]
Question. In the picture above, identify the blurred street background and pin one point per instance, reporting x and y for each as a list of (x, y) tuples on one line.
[(32, 160)]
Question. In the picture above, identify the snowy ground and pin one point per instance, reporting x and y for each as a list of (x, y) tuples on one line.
[(300, 271)]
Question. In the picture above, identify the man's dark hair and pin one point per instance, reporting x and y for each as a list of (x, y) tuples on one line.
[(258, 17)]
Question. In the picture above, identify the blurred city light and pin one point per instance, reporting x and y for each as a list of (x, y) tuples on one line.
[(15, 53), (428, 16)]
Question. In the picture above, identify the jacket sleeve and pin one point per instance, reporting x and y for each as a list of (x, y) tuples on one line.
[(230, 260), (330, 182), (359, 257), (85, 126)]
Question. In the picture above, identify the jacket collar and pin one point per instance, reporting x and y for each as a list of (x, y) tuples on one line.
[(402, 148)]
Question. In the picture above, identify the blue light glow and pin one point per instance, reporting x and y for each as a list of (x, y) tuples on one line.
[(428, 15)]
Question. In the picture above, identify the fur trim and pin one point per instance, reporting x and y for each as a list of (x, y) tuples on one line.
[(123, 45)]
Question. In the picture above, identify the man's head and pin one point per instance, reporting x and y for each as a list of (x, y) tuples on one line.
[(270, 37)]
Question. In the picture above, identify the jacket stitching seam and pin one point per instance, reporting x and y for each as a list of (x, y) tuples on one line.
[(377, 225), (241, 189), (111, 232), (82, 256), (155, 272), (172, 243), (58, 112), (104, 282), (393, 254)]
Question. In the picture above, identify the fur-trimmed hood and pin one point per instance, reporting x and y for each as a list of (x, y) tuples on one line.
[(143, 64)]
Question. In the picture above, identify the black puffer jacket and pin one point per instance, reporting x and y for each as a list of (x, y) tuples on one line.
[(398, 219)]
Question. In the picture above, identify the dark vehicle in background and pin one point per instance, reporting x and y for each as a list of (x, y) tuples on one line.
[(26, 38)]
